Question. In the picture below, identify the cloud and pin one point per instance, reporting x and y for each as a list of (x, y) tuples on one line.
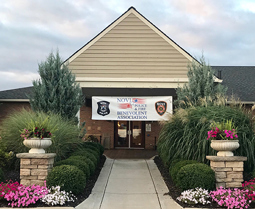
[(18, 79), (30, 30)]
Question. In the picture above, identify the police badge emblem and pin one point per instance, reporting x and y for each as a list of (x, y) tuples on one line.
[(161, 107), (103, 108)]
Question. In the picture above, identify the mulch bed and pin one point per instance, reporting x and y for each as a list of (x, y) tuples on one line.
[(14, 175)]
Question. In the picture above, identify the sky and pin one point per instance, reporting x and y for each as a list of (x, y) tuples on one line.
[(223, 31)]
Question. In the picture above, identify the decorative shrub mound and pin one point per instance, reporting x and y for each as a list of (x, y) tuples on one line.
[(173, 163), (86, 153), (92, 166), (64, 141), (96, 145), (69, 177), (184, 135), (83, 166), (88, 145), (174, 170), (196, 175)]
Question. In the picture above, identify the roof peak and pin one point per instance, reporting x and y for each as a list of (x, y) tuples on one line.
[(131, 8)]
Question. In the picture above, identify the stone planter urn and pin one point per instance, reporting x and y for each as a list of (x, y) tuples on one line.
[(37, 145), (224, 147)]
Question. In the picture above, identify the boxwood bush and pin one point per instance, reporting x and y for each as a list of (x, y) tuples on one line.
[(174, 170), (185, 134), (83, 166), (92, 166), (87, 153), (89, 145), (196, 175), (97, 145), (69, 177)]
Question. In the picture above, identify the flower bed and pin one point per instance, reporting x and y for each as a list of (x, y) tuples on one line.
[(235, 198), (80, 198)]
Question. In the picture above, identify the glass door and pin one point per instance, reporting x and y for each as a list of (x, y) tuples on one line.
[(137, 134), (122, 134), (129, 134)]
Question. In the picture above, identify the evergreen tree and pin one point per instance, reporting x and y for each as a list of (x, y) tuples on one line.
[(56, 91), (201, 88)]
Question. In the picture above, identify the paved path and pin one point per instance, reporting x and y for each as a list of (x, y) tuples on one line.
[(129, 184)]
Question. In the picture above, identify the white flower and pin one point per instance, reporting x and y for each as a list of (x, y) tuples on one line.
[(57, 197), (195, 196)]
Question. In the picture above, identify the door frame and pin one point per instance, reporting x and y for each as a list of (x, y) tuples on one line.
[(129, 125)]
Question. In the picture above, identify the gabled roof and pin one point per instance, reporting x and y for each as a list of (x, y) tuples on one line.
[(131, 10), (16, 94), (239, 80)]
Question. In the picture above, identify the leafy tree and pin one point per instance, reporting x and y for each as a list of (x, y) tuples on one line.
[(56, 91), (201, 89)]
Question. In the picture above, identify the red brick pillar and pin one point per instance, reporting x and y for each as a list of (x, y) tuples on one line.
[(34, 168)]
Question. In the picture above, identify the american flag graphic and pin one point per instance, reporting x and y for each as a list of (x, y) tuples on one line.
[(138, 101), (125, 106)]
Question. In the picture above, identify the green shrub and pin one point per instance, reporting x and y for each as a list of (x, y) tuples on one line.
[(91, 152), (86, 153), (65, 138), (92, 166), (174, 170), (196, 175), (97, 145), (83, 166), (101, 147), (184, 135), (173, 162), (1, 175), (91, 146), (69, 177)]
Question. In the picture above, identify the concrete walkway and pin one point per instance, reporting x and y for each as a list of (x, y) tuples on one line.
[(125, 184)]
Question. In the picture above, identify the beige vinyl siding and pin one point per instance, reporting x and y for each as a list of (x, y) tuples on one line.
[(131, 49)]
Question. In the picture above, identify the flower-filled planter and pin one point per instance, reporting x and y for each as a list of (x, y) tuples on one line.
[(37, 145), (224, 147), (224, 138), (36, 138)]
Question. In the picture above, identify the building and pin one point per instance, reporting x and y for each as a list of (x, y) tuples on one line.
[(135, 68)]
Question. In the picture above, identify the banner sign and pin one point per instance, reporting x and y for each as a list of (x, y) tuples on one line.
[(131, 108)]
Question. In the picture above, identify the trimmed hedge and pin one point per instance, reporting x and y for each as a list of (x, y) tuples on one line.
[(83, 166), (92, 166), (97, 145), (86, 153), (69, 177), (196, 175), (92, 147), (172, 163), (174, 170)]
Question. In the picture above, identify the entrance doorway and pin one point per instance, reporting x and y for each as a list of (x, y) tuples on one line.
[(129, 134)]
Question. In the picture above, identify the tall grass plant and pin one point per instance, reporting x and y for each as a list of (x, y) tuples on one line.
[(65, 134)]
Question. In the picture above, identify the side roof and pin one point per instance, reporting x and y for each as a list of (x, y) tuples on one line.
[(16, 95), (239, 80)]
